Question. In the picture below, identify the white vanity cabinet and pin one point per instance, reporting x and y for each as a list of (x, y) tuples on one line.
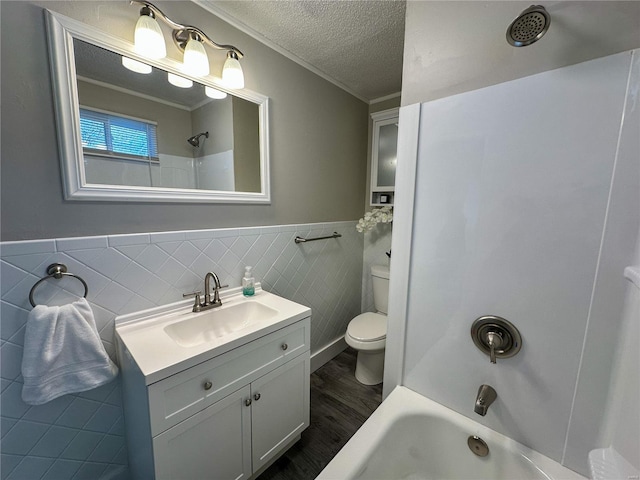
[(223, 418)]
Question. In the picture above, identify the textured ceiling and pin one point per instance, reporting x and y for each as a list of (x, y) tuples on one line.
[(358, 44)]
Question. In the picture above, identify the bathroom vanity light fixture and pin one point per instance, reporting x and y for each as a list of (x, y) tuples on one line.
[(136, 66), (232, 75), (149, 43), (195, 61), (148, 39), (178, 81), (213, 93)]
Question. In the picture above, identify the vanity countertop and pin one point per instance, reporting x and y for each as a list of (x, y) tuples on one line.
[(146, 335)]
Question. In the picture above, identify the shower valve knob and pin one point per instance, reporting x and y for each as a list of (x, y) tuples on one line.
[(496, 337)]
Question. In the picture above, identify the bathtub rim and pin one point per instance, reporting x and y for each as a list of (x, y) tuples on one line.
[(402, 401)]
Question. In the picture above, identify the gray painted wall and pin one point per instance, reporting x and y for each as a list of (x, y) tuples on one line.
[(246, 151), (215, 117), (318, 135)]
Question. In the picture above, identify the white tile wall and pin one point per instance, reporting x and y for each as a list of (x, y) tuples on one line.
[(171, 171), (81, 436)]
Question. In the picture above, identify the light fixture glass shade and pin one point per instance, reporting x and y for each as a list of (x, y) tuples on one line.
[(213, 93), (148, 39), (179, 81), (232, 76), (136, 66), (195, 61)]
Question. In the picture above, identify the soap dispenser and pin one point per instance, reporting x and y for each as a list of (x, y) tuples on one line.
[(248, 283)]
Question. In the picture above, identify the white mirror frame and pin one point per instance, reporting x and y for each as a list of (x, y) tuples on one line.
[(62, 30)]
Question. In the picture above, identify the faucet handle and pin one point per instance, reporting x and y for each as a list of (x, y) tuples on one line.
[(494, 340), (216, 294), (197, 305)]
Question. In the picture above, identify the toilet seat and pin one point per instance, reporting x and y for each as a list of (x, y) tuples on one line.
[(368, 327), (367, 331)]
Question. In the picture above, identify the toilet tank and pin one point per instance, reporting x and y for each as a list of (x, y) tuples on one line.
[(380, 280)]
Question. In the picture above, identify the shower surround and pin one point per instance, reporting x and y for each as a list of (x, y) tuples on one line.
[(526, 207)]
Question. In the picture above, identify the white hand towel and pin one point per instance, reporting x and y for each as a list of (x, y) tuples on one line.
[(63, 353)]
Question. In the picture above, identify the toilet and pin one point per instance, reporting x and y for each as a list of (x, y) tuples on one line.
[(367, 332)]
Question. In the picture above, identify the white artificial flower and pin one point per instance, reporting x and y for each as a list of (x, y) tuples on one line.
[(375, 216)]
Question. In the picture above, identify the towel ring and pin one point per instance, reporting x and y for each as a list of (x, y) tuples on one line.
[(56, 270)]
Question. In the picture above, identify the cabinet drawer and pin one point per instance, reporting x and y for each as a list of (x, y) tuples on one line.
[(181, 395)]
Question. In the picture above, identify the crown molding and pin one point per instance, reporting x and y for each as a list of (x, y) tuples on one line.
[(386, 97)]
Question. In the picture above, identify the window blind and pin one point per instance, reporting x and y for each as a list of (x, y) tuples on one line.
[(117, 136)]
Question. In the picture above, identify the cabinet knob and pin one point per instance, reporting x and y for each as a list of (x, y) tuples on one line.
[(208, 385), (256, 397), (247, 402), (284, 346)]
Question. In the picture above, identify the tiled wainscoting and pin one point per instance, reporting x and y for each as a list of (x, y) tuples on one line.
[(82, 436)]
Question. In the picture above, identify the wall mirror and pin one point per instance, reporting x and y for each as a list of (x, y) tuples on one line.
[(156, 136)]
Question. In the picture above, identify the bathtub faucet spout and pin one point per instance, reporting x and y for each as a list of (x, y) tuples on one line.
[(486, 396)]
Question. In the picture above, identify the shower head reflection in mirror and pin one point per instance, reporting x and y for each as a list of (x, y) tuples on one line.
[(195, 140), (88, 72)]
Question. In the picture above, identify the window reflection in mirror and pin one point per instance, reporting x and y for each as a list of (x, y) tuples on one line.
[(135, 129)]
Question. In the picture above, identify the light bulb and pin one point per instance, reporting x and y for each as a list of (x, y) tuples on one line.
[(148, 39), (232, 76), (195, 61), (179, 81), (213, 93), (136, 66)]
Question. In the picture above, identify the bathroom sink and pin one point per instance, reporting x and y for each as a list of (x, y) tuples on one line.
[(219, 322), (167, 339)]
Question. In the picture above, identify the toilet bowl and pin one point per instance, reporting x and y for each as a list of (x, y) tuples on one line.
[(367, 333)]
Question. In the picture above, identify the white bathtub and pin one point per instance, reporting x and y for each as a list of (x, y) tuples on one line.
[(412, 437)]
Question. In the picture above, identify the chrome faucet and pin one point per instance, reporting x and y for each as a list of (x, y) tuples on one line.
[(486, 396), (208, 303)]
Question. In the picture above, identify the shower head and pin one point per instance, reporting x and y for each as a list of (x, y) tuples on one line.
[(195, 140), (529, 27)]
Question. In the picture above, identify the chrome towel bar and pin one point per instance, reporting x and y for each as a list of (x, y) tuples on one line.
[(303, 240), (56, 270)]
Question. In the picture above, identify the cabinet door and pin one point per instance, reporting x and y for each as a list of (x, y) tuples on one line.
[(212, 444), (384, 156), (280, 408)]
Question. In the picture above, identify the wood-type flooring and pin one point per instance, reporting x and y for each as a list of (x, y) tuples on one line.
[(339, 406)]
